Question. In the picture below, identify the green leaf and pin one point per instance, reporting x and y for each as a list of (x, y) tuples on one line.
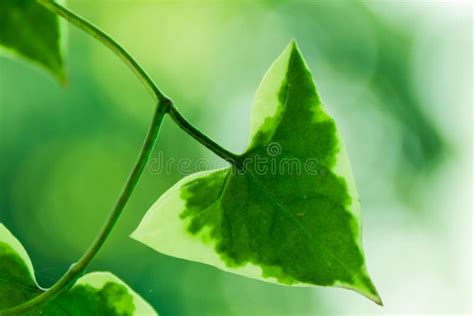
[(98, 293), (291, 215), (32, 32)]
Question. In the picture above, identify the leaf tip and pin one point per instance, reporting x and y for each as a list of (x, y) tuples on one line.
[(292, 45), (378, 301), (370, 294), (374, 296), (364, 286), (139, 236), (293, 50)]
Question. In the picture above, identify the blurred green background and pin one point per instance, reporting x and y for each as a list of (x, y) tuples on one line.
[(396, 76)]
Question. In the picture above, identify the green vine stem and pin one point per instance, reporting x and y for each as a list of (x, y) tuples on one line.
[(77, 269), (108, 41), (164, 105), (141, 74), (200, 137)]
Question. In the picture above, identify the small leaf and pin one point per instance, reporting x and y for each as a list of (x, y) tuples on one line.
[(98, 293), (32, 32), (298, 226)]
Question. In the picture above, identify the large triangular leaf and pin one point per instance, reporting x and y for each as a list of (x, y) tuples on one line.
[(32, 32), (98, 293), (291, 215)]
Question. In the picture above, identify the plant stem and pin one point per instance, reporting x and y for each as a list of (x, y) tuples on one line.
[(78, 268), (142, 76), (200, 137), (108, 41)]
